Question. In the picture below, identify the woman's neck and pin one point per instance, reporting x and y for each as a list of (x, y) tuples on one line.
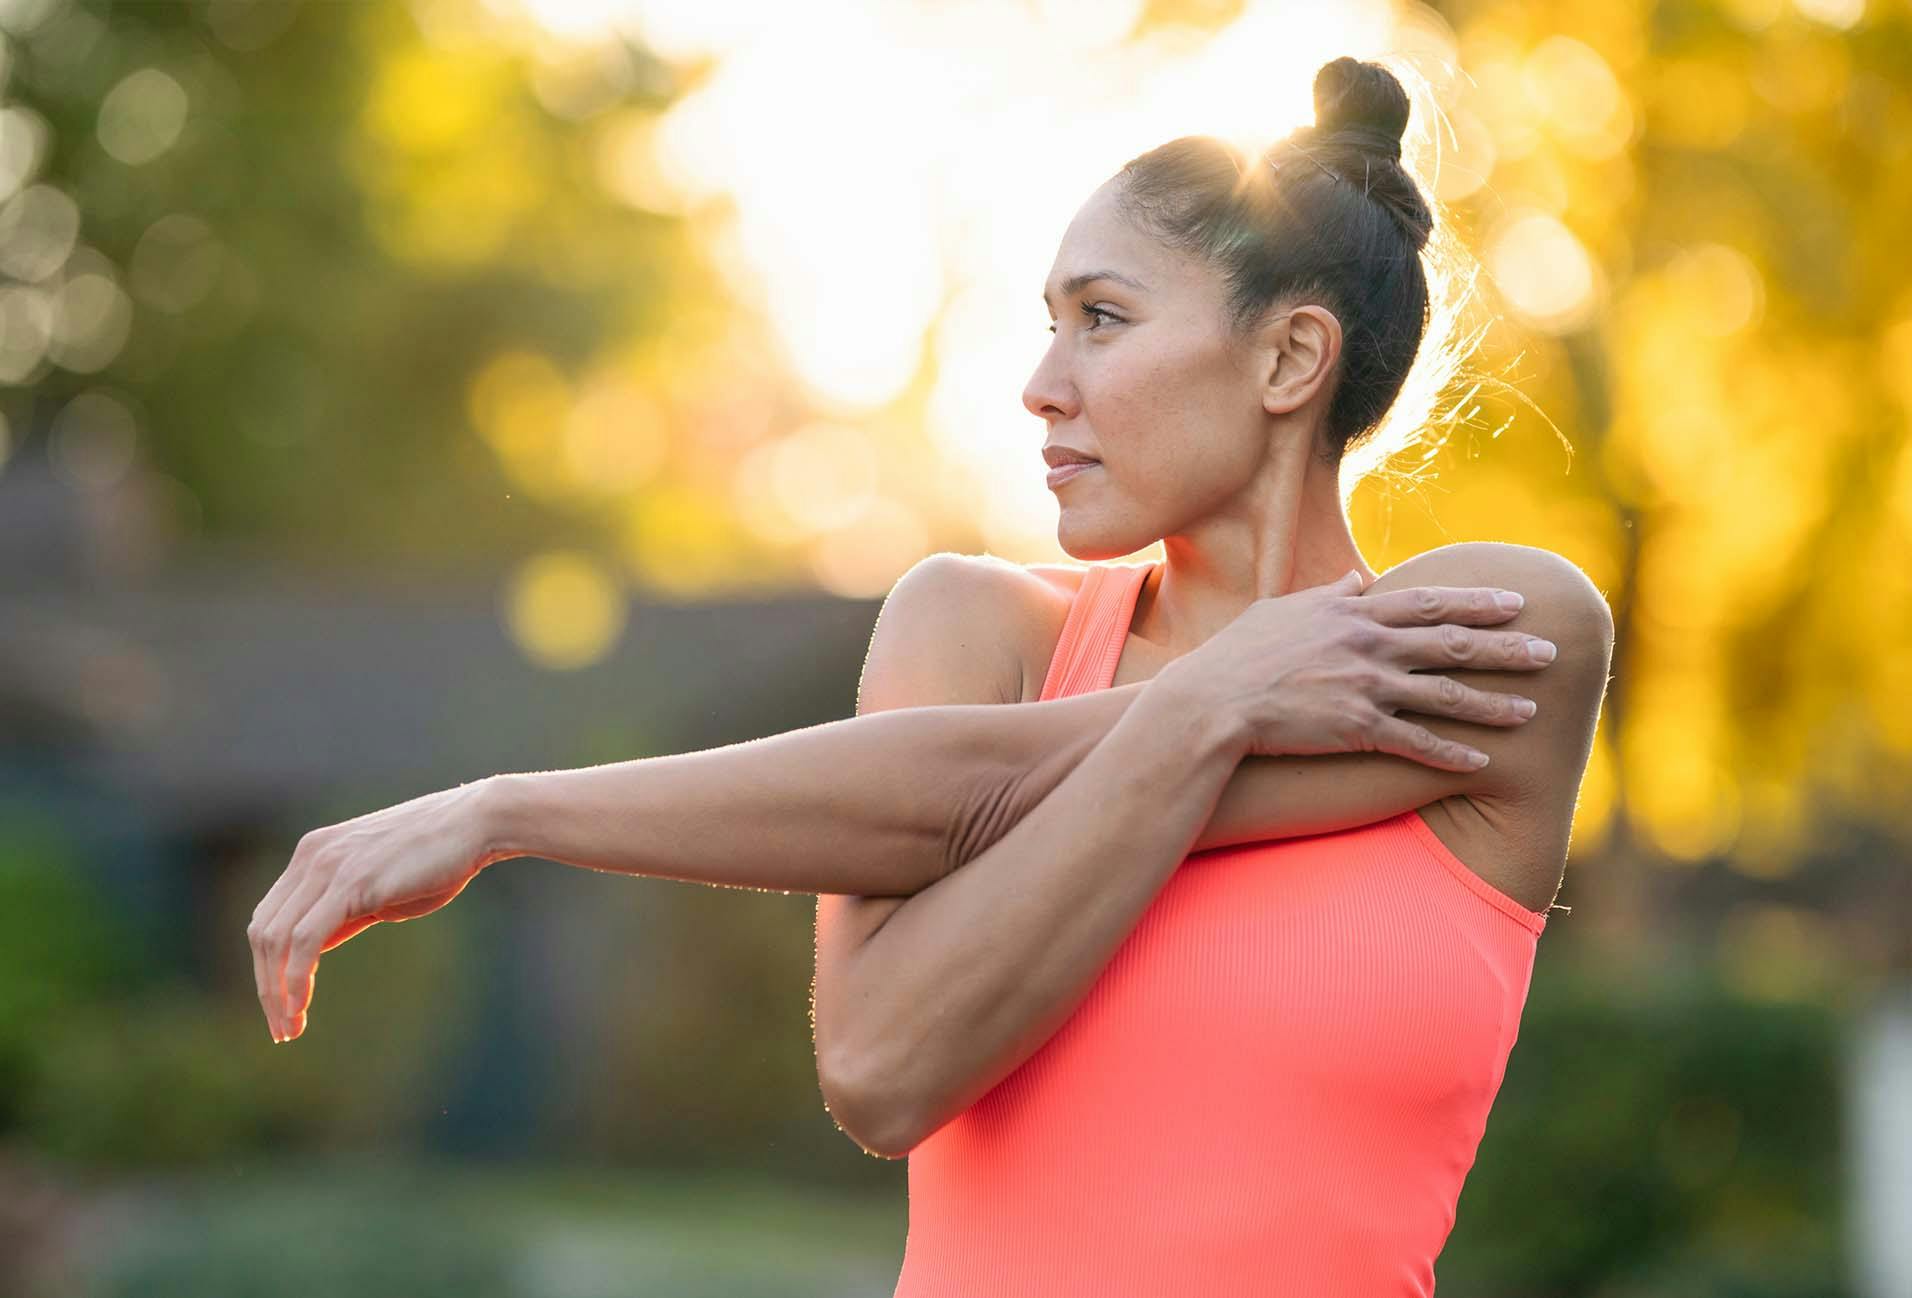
[(1269, 542)]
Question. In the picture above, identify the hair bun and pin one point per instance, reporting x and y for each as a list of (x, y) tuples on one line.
[(1371, 139), (1363, 103)]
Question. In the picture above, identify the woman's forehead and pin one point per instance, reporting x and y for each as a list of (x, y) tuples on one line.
[(1100, 243)]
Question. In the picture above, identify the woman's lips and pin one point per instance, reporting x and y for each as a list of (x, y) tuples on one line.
[(1063, 472)]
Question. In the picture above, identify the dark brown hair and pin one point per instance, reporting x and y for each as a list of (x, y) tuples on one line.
[(1326, 215)]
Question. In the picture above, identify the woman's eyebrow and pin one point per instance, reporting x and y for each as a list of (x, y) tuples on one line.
[(1075, 283)]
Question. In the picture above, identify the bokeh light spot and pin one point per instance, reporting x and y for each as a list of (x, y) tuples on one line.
[(1544, 271), (92, 441), (142, 116), (23, 143), (174, 263), (38, 228), (564, 609)]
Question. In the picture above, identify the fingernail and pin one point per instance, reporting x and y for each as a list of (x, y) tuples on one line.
[(1477, 759), (1542, 650), (1525, 707), (1511, 600)]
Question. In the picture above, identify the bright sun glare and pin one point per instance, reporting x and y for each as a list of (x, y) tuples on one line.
[(902, 174)]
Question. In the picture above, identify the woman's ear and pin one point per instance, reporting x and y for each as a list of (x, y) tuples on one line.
[(1301, 346)]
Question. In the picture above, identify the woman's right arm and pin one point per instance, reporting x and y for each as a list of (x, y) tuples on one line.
[(924, 1003)]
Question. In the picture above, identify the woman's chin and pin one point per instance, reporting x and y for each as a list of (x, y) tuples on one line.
[(1093, 545)]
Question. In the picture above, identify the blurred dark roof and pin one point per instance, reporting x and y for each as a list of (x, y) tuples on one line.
[(214, 689)]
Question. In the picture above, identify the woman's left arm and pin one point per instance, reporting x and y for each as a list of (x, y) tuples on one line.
[(877, 805), (886, 804)]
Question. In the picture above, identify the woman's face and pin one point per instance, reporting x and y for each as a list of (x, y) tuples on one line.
[(1141, 375)]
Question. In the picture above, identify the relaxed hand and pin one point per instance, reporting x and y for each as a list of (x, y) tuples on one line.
[(396, 864)]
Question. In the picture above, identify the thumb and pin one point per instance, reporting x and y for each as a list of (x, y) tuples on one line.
[(1352, 582)]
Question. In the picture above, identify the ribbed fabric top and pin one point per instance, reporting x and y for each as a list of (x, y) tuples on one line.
[(1276, 1086)]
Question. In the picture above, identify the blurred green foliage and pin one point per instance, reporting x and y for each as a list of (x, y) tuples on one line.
[(377, 1227), (1660, 1135), (321, 376), (105, 1058)]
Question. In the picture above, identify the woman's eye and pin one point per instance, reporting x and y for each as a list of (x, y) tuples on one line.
[(1094, 313)]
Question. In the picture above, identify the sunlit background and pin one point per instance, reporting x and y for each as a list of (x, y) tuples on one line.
[(395, 393)]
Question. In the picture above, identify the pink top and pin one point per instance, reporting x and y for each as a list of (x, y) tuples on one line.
[(1277, 1084)]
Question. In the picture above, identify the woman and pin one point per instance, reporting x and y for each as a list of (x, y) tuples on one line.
[(1177, 979)]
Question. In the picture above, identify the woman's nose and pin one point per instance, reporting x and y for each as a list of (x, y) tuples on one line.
[(1045, 396)]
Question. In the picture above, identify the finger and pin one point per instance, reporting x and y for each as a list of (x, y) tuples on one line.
[(1348, 583), (287, 883), (1438, 696), (278, 944), (259, 934), (255, 938), (1449, 645), (1419, 744), (302, 958), (1427, 605), (263, 915)]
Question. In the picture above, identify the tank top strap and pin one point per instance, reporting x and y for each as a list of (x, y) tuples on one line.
[(1095, 630)]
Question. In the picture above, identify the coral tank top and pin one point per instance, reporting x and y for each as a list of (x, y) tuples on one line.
[(1276, 1086)]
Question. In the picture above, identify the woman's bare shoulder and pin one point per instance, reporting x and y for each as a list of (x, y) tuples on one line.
[(1505, 563), (1054, 590), (1028, 602), (1005, 577), (986, 600)]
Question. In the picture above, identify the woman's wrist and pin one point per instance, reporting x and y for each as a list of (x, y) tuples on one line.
[(501, 818), (1212, 728)]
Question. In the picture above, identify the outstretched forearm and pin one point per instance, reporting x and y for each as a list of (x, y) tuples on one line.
[(878, 805), (887, 803)]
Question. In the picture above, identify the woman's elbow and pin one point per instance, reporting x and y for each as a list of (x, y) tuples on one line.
[(866, 1111)]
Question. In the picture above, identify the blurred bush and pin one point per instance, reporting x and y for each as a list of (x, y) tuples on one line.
[(1661, 1137), (107, 1057), (381, 1226)]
